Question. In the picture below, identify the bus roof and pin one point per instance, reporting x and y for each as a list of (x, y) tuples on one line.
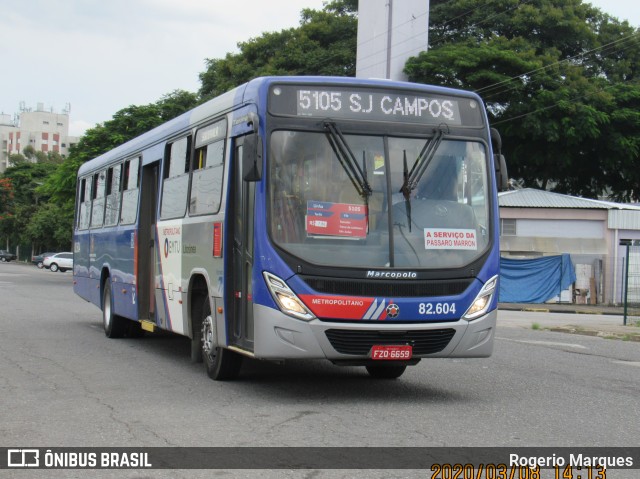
[(249, 92), (171, 128)]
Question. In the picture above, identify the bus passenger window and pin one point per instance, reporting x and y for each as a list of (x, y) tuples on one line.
[(97, 209), (84, 214), (114, 188), (206, 183), (175, 179), (208, 169), (130, 187)]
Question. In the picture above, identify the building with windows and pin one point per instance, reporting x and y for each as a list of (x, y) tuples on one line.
[(536, 223), (45, 131)]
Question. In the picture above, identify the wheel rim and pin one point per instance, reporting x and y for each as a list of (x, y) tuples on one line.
[(106, 310), (208, 344)]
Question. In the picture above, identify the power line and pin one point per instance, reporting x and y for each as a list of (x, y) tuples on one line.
[(378, 53), (493, 90), (617, 45), (574, 99), (603, 49), (386, 32), (549, 107)]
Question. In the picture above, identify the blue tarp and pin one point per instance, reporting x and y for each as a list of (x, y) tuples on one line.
[(535, 280)]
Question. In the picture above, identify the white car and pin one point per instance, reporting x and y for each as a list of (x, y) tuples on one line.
[(59, 261)]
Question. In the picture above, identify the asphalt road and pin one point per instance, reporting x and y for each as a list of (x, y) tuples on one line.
[(63, 383)]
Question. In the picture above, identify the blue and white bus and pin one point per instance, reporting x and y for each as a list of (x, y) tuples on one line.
[(301, 217)]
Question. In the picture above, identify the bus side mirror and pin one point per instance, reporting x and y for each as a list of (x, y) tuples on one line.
[(252, 157), (502, 177)]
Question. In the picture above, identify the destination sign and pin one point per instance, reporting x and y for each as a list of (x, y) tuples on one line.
[(374, 104), (211, 133)]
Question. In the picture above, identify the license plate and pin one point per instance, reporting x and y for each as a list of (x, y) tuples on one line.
[(391, 353)]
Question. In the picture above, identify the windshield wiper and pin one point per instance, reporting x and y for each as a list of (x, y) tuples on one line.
[(347, 159), (412, 178)]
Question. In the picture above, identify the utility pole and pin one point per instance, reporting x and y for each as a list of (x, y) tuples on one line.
[(389, 33)]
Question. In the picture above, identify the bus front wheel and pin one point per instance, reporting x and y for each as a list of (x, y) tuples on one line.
[(384, 371), (221, 363)]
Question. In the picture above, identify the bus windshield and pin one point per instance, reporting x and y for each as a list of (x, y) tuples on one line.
[(378, 201)]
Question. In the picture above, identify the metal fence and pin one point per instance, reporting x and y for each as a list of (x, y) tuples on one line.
[(631, 284), (23, 252)]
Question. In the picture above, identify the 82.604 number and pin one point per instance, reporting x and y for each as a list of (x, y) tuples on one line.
[(436, 308)]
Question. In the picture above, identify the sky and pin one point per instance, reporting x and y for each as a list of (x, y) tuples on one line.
[(100, 56)]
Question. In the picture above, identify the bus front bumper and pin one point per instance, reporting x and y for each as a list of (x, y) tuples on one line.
[(278, 336)]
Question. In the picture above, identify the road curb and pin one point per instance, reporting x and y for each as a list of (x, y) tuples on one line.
[(563, 308), (621, 335)]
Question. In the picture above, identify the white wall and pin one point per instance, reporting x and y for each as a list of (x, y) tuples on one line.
[(578, 229)]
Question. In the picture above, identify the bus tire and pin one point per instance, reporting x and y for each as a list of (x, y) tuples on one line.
[(199, 301), (221, 364), (386, 371), (114, 325)]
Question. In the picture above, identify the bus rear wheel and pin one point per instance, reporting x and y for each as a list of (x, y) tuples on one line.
[(384, 371), (221, 364), (114, 325)]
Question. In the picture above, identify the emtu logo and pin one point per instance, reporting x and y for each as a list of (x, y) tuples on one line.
[(23, 458), (171, 247)]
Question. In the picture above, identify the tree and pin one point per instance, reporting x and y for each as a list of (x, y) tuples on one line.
[(7, 208), (176, 103), (29, 152), (16, 158), (20, 198), (60, 185), (324, 44), (125, 125), (560, 80), (49, 227)]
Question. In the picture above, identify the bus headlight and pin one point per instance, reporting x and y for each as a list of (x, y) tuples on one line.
[(286, 299), (482, 301)]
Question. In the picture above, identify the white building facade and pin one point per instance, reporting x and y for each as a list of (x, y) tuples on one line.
[(45, 131)]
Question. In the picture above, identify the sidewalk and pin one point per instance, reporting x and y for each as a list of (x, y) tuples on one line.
[(593, 320)]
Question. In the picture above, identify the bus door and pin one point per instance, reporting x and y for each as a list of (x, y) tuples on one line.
[(147, 242), (241, 214)]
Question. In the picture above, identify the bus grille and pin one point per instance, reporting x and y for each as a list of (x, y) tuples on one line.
[(360, 342), (392, 289)]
